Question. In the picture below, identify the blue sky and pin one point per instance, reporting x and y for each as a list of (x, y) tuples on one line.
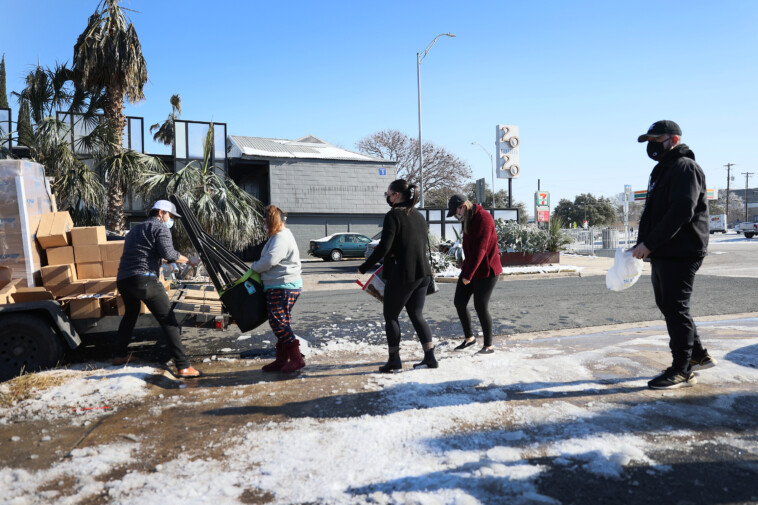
[(581, 79)]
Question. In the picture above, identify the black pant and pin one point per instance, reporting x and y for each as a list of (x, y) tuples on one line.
[(672, 284), (144, 288), (481, 289), (411, 296)]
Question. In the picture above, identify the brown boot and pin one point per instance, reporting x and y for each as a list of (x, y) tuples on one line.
[(278, 363), (295, 359)]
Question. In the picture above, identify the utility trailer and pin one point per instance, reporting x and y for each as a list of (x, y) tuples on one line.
[(36, 335)]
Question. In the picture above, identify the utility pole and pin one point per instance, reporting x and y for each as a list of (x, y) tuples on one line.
[(728, 178), (747, 178)]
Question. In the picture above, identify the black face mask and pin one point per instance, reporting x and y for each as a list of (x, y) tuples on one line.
[(656, 150), (388, 201)]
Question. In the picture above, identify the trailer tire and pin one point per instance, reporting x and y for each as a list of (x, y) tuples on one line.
[(28, 343), (748, 234)]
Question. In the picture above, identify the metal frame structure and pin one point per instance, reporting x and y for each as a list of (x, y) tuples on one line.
[(69, 118), (3, 130), (444, 221), (185, 156)]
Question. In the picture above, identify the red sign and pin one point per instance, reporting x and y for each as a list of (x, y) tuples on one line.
[(543, 216)]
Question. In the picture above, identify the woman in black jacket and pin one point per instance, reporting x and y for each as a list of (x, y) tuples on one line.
[(407, 272)]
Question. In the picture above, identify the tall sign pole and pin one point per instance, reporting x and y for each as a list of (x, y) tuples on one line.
[(728, 178), (507, 153)]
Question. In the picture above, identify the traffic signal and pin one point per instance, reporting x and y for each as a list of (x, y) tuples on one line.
[(507, 145)]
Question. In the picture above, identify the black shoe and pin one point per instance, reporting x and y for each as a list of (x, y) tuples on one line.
[(485, 350), (702, 363), (429, 360), (393, 364), (672, 379), (464, 345)]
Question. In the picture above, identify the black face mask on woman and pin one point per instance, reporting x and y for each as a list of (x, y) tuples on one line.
[(388, 201), (656, 150)]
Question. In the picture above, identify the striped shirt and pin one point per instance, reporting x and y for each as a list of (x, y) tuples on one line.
[(144, 247)]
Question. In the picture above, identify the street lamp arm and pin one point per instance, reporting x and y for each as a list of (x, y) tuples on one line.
[(420, 56)]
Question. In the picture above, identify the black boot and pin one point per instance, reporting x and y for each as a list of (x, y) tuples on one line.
[(429, 360), (393, 363)]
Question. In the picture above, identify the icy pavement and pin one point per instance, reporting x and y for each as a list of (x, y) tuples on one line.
[(550, 418)]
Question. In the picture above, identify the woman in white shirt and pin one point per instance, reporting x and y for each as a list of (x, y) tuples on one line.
[(280, 269)]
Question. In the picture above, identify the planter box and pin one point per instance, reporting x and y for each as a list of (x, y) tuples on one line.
[(541, 258)]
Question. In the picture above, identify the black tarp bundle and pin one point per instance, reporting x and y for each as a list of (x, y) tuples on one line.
[(239, 288)]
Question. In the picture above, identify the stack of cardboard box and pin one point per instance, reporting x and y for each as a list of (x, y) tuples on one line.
[(81, 270)]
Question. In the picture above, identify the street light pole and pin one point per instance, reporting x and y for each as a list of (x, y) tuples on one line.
[(419, 58), (492, 165)]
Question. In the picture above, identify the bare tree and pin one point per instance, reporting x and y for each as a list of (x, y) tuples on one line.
[(443, 171)]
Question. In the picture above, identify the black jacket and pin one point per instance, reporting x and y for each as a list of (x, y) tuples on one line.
[(674, 223), (403, 246)]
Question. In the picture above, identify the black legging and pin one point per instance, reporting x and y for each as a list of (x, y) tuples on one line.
[(482, 290), (411, 296)]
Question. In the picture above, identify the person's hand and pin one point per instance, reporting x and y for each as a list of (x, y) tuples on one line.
[(466, 282), (640, 251)]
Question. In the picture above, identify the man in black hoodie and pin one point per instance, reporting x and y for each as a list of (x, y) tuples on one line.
[(673, 233)]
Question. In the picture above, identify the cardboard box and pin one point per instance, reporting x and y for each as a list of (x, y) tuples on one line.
[(84, 308), (53, 229), (88, 235), (23, 295), (89, 270), (87, 254), (102, 286), (112, 251), (58, 274), (75, 288), (122, 310), (60, 255), (110, 268), (7, 290)]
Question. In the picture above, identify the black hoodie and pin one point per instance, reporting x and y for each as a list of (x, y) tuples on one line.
[(674, 223)]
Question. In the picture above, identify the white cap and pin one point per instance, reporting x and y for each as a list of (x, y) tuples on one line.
[(167, 206)]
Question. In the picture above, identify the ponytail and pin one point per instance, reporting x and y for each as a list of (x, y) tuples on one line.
[(410, 193)]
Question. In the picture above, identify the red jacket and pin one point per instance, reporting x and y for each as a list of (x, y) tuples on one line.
[(482, 256)]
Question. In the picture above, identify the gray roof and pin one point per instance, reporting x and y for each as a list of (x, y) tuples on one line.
[(308, 147)]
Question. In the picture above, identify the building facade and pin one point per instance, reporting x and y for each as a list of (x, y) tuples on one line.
[(323, 188)]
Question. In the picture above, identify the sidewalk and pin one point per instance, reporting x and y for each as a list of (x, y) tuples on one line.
[(560, 417)]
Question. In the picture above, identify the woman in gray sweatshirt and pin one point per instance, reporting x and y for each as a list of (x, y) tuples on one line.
[(280, 268)]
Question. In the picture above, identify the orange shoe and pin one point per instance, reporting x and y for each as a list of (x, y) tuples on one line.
[(189, 372)]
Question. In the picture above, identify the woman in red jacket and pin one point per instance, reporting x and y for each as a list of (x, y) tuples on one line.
[(480, 270)]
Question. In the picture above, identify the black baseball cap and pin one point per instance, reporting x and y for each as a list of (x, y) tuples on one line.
[(455, 201), (660, 128)]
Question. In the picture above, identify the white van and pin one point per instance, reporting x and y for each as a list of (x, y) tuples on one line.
[(718, 223)]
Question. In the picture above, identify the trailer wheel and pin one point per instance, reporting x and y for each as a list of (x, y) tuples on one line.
[(27, 343), (748, 234)]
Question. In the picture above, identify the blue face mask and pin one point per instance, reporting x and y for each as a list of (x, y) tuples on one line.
[(170, 223)]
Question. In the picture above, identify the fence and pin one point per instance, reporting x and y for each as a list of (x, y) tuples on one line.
[(593, 239)]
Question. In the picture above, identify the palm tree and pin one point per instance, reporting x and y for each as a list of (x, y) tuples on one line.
[(108, 55), (165, 133), (223, 209), (48, 91)]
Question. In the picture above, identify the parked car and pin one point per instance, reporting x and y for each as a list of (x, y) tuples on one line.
[(338, 246), (372, 245)]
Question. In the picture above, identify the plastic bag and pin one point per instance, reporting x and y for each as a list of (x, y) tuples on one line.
[(375, 285), (626, 270)]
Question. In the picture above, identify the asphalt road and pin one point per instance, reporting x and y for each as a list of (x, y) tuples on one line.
[(518, 306)]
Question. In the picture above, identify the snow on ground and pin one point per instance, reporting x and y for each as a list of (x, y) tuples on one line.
[(87, 391), (480, 429), (529, 269)]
